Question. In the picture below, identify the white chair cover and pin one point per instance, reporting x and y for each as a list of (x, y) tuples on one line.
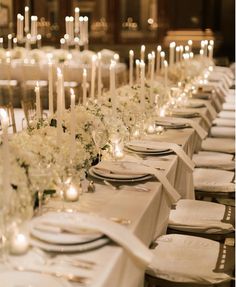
[(189, 259), (226, 115), (199, 216), (222, 132), (228, 106), (213, 180), (224, 122), (209, 159), (219, 145)]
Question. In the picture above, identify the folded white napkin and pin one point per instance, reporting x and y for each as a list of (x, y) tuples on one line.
[(226, 115), (228, 106), (140, 168), (182, 258), (214, 160), (219, 144), (222, 132), (118, 233), (214, 180), (199, 130), (200, 216)]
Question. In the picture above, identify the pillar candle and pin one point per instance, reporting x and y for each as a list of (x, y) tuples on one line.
[(172, 53), (131, 67), (77, 11), (158, 59), (72, 123), (38, 102), (113, 86), (6, 155), (50, 88), (34, 20), (99, 75), (162, 60), (93, 76), (59, 106), (26, 19), (142, 53), (84, 86), (190, 44), (19, 28), (137, 66), (142, 90)]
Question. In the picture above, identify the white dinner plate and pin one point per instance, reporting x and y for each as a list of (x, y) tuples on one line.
[(69, 248), (111, 178), (195, 105), (30, 279), (167, 125), (146, 149), (62, 237)]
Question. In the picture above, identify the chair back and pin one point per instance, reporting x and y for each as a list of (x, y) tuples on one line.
[(11, 117)]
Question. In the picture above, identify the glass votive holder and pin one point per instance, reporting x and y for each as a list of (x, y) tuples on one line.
[(118, 151), (19, 242), (159, 130), (71, 193)]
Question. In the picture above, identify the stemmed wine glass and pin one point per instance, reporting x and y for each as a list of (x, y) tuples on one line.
[(100, 138)]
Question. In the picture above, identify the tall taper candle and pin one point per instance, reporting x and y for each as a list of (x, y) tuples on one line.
[(26, 19), (131, 67), (172, 53), (152, 79), (162, 60), (59, 106), (142, 53), (38, 102), (137, 67), (50, 88), (93, 76), (113, 86), (142, 90), (84, 86), (99, 75), (190, 44), (158, 63), (72, 123), (77, 11), (165, 74)]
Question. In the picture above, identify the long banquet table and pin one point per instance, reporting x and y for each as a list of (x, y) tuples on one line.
[(148, 212)]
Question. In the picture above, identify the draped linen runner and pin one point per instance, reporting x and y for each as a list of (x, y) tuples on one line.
[(199, 130), (141, 169), (74, 222), (176, 148)]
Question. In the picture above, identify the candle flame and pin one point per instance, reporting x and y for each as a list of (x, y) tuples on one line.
[(77, 9), (131, 53), (159, 48)]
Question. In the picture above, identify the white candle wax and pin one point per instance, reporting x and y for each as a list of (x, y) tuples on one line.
[(205, 48), (50, 88), (72, 123), (177, 50), (86, 32), (162, 112), (39, 41), (93, 76), (172, 53), (142, 91), (131, 67), (1, 42), (81, 29), (137, 67), (72, 194), (38, 102), (6, 155), (62, 42), (84, 86), (19, 35), (210, 52), (71, 33), (99, 75), (149, 65), (162, 60), (26, 19), (77, 11), (142, 53), (181, 49), (19, 244), (158, 63), (113, 86)]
